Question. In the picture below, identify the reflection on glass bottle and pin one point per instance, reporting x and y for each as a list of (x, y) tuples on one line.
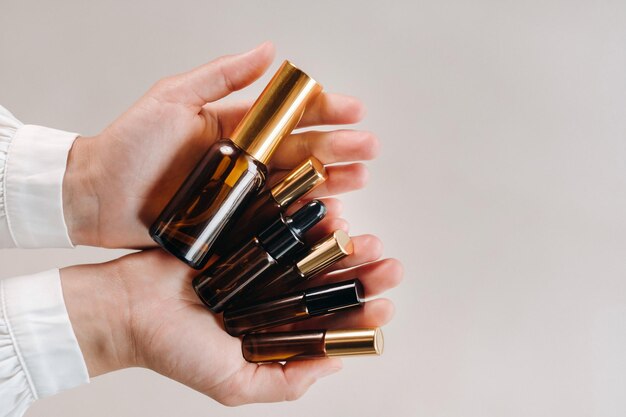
[(210, 197)]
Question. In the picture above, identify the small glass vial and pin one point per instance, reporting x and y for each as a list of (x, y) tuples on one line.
[(275, 245), (315, 301), (268, 205), (325, 253), (310, 344)]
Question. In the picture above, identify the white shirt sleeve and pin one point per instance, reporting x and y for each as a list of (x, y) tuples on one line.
[(39, 354), (32, 165)]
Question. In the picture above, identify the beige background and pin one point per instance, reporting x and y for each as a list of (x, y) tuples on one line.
[(502, 185)]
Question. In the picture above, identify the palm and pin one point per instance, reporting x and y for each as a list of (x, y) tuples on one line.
[(156, 146), (143, 157), (179, 338)]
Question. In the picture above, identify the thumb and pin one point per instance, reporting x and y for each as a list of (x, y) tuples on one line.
[(218, 78)]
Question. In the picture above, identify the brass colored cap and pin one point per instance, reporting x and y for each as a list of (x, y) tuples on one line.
[(276, 112), (354, 342), (304, 178), (326, 252)]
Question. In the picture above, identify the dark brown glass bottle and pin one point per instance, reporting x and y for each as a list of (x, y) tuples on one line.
[(277, 244), (267, 206), (220, 185), (309, 344), (320, 257), (315, 301), (233, 171)]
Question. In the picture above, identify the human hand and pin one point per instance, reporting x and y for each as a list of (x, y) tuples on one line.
[(140, 310), (117, 182)]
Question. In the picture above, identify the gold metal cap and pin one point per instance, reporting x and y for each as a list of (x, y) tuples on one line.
[(304, 178), (326, 252), (276, 112), (354, 342)]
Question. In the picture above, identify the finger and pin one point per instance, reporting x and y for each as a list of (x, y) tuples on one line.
[(376, 277), (375, 313), (327, 109), (325, 227), (276, 382), (341, 179), (217, 78), (333, 109), (328, 147)]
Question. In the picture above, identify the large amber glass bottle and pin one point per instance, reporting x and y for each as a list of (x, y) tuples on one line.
[(233, 170)]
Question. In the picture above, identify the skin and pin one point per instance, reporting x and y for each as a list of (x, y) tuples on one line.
[(140, 310)]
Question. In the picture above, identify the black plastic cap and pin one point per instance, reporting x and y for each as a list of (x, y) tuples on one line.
[(333, 297), (283, 238)]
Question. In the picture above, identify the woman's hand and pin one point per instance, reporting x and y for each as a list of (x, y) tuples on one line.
[(117, 183), (140, 310)]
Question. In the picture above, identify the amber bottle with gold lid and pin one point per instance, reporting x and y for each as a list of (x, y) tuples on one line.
[(309, 344), (325, 253), (233, 170), (267, 206), (221, 284)]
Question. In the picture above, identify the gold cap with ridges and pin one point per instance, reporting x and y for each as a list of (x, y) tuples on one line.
[(300, 181), (276, 112), (326, 252), (354, 342)]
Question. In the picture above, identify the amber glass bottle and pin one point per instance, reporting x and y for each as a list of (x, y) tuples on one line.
[(233, 170), (309, 344), (266, 207), (275, 245), (325, 253), (297, 306)]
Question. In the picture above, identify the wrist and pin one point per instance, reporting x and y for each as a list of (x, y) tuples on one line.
[(98, 307), (80, 199)]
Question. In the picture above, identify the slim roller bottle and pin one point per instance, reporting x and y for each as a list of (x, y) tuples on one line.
[(294, 307), (268, 205), (308, 344), (233, 170), (321, 256), (246, 267)]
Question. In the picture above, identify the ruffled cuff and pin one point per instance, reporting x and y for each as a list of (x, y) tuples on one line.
[(34, 173), (39, 353)]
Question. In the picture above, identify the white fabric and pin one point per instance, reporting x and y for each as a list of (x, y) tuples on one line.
[(32, 164), (39, 354)]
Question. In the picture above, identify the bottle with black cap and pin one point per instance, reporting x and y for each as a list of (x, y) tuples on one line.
[(294, 307), (268, 205), (277, 244), (325, 253)]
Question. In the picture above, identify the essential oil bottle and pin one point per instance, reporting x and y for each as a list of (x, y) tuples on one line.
[(309, 344), (247, 267), (233, 170)]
